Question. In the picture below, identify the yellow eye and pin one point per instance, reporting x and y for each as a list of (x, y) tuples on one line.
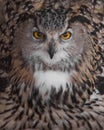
[(38, 35), (66, 36)]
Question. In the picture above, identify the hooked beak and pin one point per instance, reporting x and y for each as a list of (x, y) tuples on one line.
[(51, 50)]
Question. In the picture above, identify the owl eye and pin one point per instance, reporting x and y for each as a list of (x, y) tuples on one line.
[(66, 35), (38, 35)]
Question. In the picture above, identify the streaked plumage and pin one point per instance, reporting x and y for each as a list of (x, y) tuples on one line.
[(51, 88)]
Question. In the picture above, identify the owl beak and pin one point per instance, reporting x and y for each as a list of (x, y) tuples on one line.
[(51, 50)]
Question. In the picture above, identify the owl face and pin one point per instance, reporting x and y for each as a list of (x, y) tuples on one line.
[(52, 45)]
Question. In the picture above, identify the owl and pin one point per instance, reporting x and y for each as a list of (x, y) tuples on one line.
[(51, 57)]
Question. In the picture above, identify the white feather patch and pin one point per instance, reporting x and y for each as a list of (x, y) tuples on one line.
[(95, 95), (48, 79)]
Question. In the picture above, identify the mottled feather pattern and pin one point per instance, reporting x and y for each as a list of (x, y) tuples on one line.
[(74, 106)]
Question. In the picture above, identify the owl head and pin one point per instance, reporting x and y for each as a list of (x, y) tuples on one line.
[(52, 39), (58, 50)]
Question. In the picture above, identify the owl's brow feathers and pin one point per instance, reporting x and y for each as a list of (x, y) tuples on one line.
[(79, 18)]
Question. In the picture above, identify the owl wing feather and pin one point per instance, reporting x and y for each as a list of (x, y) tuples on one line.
[(98, 23), (4, 50)]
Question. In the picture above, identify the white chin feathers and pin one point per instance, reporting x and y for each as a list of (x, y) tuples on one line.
[(45, 80)]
